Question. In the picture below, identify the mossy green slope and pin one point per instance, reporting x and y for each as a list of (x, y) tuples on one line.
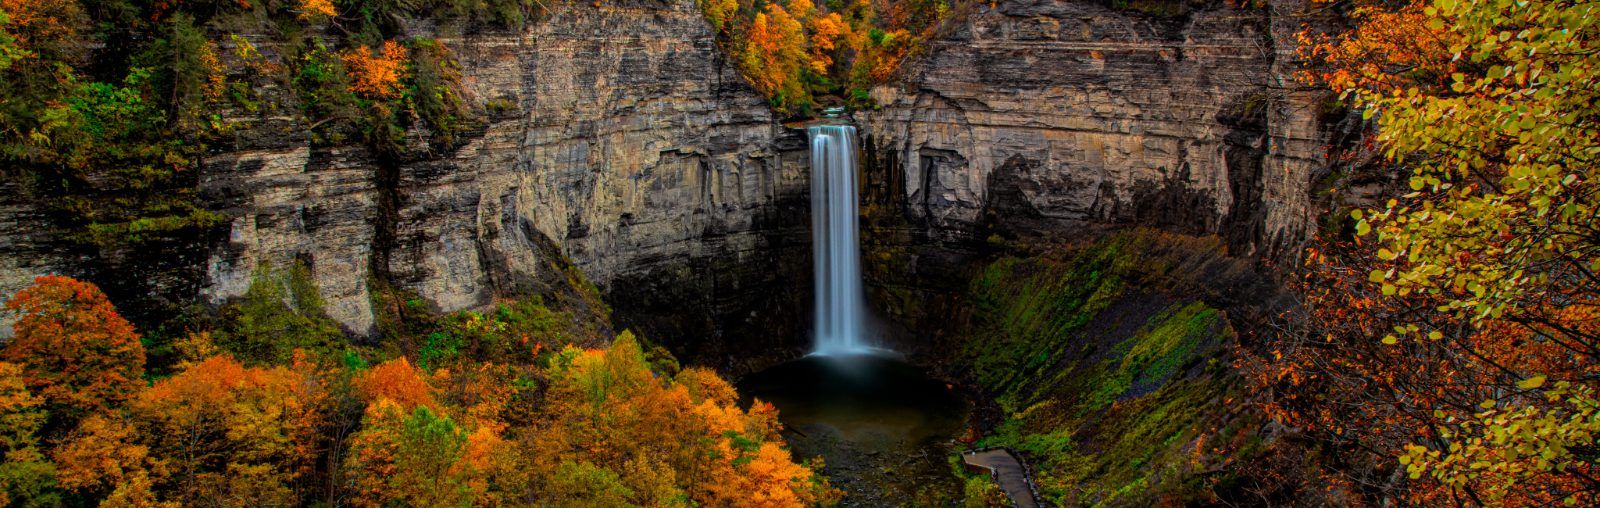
[(1108, 364)]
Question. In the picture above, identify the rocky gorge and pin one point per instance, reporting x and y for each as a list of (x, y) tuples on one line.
[(616, 144), (799, 253), (625, 143)]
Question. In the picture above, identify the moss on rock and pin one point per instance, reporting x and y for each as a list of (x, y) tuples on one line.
[(1108, 364)]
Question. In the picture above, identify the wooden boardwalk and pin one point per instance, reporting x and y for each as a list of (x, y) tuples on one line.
[(1007, 470)]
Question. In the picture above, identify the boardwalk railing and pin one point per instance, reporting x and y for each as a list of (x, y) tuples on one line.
[(1027, 472)]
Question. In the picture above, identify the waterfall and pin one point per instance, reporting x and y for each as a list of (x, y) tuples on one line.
[(839, 302)]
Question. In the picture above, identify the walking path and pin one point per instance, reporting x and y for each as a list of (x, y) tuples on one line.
[(1008, 471)]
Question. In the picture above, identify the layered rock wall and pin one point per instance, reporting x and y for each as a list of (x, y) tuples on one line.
[(630, 144), (1046, 114)]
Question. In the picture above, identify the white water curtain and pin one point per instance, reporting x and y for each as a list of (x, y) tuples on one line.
[(839, 301)]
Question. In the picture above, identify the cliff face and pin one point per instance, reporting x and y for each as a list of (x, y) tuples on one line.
[(629, 144), (620, 140), (1034, 115)]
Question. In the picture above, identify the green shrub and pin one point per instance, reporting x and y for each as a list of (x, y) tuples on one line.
[(324, 91), (280, 312), (433, 92)]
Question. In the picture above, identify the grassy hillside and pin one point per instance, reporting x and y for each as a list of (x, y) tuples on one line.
[(1108, 364)]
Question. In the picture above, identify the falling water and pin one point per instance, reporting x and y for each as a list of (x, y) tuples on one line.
[(839, 304)]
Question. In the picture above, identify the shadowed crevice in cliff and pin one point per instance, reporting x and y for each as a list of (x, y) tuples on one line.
[(1245, 149), (386, 184), (912, 270), (738, 311), (1008, 208), (932, 162), (1170, 203), (151, 283), (150, 276)]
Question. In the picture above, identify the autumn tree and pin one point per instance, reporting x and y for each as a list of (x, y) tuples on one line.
[(720, 13), (217, 432), (663, 441), (195, 77), (585, 484), (314, 10), (226, 431), (9, 51), (100, 460), (414, 448), (27, 477), (1451, 350), (882, 54), (416, 457), (397, 381), (104, 156), (794, 51), (376, 74), (827, 32), (774, 55), (74, 350), (410, 451), (43, 27), (483, 392)]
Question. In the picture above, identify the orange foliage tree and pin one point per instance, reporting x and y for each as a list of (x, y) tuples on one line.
[(658, 441), (1389, 47), (312, 10), (793, 50), (376, 75), (774, 55), (397, 381), (827, 31), (602, 427), (261, 429), (411, 451), (100, 459), (418, 458), (43, 24), (75, 350), (218, 431)]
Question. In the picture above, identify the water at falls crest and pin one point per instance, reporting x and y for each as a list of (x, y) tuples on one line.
[(840, 307)]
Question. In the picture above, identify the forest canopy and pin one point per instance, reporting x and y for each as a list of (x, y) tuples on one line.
[(346, 425), (797, 52)]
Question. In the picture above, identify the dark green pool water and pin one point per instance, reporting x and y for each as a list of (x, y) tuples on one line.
[(884, 428)]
